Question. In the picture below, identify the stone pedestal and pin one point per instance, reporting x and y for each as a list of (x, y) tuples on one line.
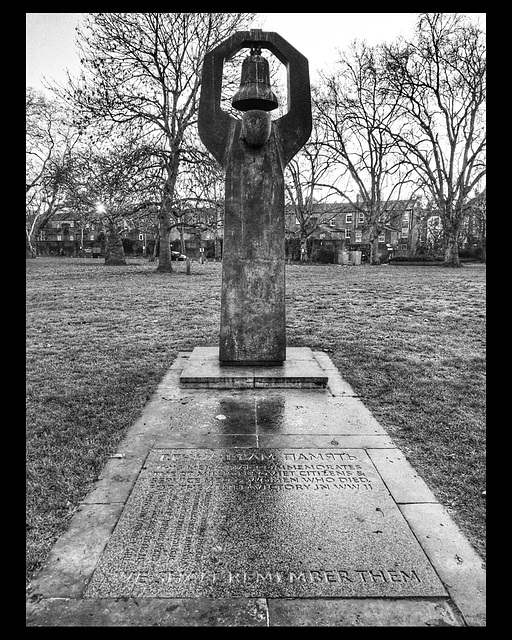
[(301, 370)]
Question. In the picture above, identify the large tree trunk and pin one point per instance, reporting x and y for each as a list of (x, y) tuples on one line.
[(164, 259), (303, 250), (374, 249), (217, 246), (451, 247), (164, 217), (183, 249), (156, 244), (29, 248), (114, 251)]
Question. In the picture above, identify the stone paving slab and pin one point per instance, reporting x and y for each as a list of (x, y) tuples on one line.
[(454, 559), (261, 523), (272, 411), (238, 420), (149, 612), (368, 612), (298, 413)]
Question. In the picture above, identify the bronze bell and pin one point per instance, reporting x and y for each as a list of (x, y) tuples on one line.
[(254, 91)]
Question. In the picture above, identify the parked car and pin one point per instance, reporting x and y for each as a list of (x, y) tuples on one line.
[(176, 255)]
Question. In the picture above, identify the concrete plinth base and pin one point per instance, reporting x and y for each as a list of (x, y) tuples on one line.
[(299, 370)]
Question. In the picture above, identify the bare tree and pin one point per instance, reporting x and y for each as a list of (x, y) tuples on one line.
[(51, 139), (356, 115), (144, 69), (308, 170), (202, 189), (439, 81), (112, 186)]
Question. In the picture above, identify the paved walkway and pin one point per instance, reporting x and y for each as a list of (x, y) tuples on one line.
[(259, 507)]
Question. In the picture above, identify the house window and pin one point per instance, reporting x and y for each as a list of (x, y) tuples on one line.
[(71, 238), (59, 238), (360, 217), (141, 236), (348, 218), (91, 237), (405, 233), (332, 222), (358, 236)]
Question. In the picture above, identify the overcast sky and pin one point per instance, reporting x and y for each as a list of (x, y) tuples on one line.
[(51, 37)]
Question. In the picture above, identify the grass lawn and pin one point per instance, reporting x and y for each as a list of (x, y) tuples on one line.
[(409, 339)]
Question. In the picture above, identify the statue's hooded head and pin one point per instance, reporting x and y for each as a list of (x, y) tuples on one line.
[(256, 127)]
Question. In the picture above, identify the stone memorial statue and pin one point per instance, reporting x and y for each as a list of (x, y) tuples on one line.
[(254, 152)]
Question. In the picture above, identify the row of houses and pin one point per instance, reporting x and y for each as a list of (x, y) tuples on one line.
[(343, 226), (340, 226)]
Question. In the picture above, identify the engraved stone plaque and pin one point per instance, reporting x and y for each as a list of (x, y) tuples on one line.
[(262, 523)]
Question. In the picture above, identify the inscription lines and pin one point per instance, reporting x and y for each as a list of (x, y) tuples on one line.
[(304, 577)]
